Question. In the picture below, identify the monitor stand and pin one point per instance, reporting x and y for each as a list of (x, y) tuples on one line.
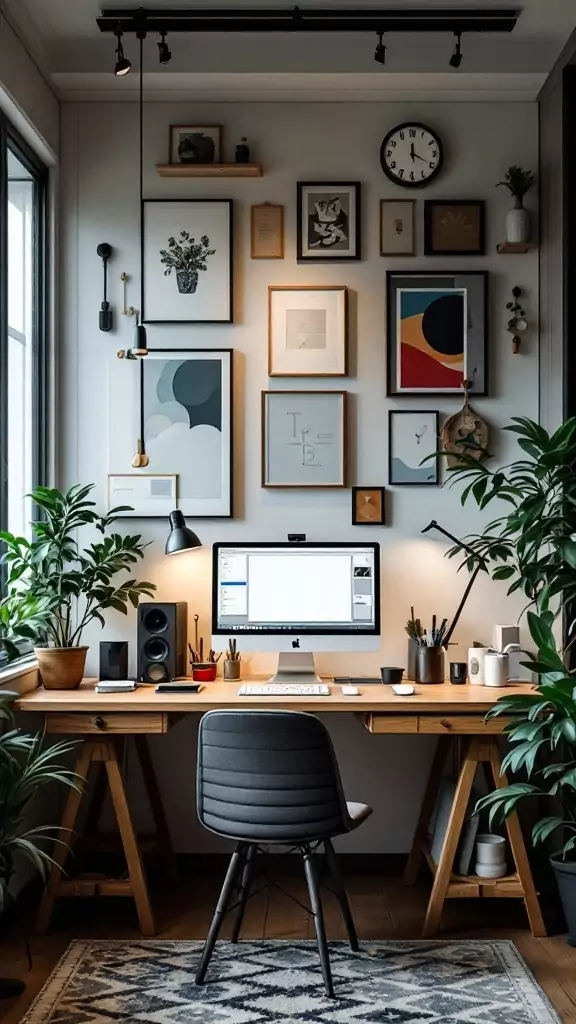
[(297, 667)]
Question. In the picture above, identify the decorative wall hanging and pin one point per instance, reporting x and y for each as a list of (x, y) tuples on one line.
[(437, 332), (187, 420), (328, 221), (303, 438), (454, 227), (368, 506), (397, 227), (412, 437), (465, 424), (517, 323), (411, 155), (187, 264), (148, 494), (267, 232), (307, 331), (195, 144)]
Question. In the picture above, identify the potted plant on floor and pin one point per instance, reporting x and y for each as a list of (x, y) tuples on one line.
[(74, 586), (518, 225)]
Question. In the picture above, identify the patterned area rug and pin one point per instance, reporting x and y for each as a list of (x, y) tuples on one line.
[(465, 982)]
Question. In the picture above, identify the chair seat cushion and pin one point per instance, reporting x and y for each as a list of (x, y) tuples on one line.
[(358, 812)]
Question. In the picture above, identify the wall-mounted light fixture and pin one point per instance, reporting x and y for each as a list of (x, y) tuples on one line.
[(123, 65), (456, 58), (380, 51)]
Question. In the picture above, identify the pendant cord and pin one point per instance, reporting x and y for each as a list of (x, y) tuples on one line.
[(142, 400), (141, 120)]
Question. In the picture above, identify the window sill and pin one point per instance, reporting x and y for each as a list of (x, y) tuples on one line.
[(20, 677)]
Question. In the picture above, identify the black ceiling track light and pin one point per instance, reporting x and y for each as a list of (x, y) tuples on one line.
[(456, 58), (380, 51), (296, 19), (164, 53), (123, 65)]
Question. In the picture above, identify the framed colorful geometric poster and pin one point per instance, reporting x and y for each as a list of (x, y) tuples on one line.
[(437, 332)]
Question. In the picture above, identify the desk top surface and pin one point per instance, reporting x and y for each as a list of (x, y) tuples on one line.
[(444, 698)]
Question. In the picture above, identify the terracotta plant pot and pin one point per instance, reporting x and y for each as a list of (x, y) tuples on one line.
[(61, 668)]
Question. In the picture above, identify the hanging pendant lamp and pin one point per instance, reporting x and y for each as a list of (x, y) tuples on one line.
[(140, 341)]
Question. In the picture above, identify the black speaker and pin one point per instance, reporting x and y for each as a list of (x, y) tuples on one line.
[(162, 641), (113, 660)]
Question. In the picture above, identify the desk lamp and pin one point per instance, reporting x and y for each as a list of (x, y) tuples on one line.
[(181, 537), (482, 564)]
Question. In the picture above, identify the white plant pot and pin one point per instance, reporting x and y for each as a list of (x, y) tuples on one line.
[(476, 660), (490, 856), (496, 668), (490, 870), (518, 226)]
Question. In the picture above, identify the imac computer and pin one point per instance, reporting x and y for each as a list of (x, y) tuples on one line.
[(296, 598)]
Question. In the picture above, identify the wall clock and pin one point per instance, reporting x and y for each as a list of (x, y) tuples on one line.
[(411, 155)]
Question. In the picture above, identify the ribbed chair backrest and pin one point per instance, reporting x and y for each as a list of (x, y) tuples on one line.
[(268, 776)]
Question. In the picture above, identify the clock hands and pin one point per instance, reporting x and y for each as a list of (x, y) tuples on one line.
[(416, 156)]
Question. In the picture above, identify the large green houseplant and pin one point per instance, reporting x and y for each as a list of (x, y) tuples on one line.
[(70, 586)]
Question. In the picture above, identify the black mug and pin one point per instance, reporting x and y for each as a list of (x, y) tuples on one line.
[(391, 676), (458, 671)]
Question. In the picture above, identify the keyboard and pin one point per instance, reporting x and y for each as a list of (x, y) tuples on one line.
[(284, 690)]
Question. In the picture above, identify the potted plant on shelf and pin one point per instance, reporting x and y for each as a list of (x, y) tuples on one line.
[(187, 257), (70, 587), (518, 224)]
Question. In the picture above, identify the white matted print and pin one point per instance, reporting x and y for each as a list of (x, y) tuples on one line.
[(397, 227), (186, 416), (412, 437), (303, 438), (187, 261), (328, 221), (307, 331), (147, 494)]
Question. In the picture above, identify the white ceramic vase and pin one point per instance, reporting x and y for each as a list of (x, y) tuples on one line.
[(490, 856), (476, 661), (518, 224), (496, 668)]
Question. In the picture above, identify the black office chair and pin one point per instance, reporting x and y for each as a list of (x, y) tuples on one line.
[(271, 777)]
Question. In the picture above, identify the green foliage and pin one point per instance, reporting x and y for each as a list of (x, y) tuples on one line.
[(517, 181), (53, 584), (187, 254)]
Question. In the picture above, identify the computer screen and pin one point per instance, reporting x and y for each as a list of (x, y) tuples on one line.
[(319, 589)]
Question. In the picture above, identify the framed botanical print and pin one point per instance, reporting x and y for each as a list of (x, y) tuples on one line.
[(187, 264), (412, 438), (307, 331), (329, 225), (436, 332), (368, 506), (397, 227), (303, 438), (180, 401), (267, 232), (454, 227)]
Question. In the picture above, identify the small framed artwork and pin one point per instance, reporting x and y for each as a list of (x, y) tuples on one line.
[(307, 331), (267, 232), (187, 265), (412, 438), (328, 221), (397, 227), (454, 227), (436, 332), (148, 494), (303, 438), (368, 506), (195, 144)]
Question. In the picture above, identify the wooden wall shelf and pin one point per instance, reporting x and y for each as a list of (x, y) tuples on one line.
[(209, 170), (516, 248)]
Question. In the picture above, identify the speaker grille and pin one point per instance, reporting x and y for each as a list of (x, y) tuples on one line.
[(156, 649), (156, 621)]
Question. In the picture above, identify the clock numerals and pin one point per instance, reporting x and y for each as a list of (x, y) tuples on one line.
[(401, 172), (432, 166), (411, 175), (393, 143), (402, 136), (412, 133), (392, 164)]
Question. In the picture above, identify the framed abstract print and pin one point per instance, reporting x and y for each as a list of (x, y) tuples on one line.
[(187, 266), (368, 506), (328, 226), (454, 227), (303, 438), (179, 401), (397, 235), (307, 331), (412, 437), (436, 332)]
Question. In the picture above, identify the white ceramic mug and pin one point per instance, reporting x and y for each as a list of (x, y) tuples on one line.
[(496, 669), (476, 659)]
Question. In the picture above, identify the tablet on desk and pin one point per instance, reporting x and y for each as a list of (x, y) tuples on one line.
[(179, 687)]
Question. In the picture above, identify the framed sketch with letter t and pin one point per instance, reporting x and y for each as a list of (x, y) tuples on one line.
[(303, 438)]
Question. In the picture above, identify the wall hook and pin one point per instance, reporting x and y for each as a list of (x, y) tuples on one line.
[(127, 310)]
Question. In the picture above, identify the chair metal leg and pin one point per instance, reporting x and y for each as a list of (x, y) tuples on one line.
[(341, 894), (222, 906), (244, 891), (316, 905)]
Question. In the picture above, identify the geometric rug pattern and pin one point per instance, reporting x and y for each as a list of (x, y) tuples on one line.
[(270, 982)]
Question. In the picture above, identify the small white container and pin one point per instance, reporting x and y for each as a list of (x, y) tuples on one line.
[(490, 870), (476, 659), (490, 856), (496, 669)]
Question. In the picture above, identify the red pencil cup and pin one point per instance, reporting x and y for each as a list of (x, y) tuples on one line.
[(204, 673)]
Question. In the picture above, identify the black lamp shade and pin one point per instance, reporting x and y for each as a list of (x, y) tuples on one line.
[(181, 537), (140, 342)]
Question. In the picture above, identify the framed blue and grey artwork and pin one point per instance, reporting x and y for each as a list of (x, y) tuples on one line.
[(412, 440), (182, 403)]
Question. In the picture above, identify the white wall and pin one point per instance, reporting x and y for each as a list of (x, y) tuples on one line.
[(297, 141), (26, 97)]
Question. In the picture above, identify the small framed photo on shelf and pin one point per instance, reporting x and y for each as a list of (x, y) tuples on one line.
[(412, 438), (454, 227), (368, 506), (267, 232), (195, 144), (307, 331), (397, 236), (328, 226), (303, 438)]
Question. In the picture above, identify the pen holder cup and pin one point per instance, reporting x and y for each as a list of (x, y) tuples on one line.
[(430, 665), (204, 673), (231, 669)]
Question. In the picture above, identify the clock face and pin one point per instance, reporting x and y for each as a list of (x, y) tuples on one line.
[(411, 155)]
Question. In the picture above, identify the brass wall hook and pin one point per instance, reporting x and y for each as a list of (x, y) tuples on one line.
[(127, 310)]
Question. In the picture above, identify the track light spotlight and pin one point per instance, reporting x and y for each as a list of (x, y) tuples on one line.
[(380, 51), (456, 58), (123, 65), (164, 53)]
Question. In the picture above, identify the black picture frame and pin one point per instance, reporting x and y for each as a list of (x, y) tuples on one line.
[(326, 255), (430, 249), (362, 522), (413, 412), (478, 314), (223, 320)]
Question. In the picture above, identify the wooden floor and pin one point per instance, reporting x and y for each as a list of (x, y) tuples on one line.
[(382, 909)]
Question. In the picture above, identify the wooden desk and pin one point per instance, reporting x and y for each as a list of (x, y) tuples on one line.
[(107, 720)]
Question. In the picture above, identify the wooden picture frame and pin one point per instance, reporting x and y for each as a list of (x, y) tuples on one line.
[(267, 231), (329, 224), (214, 132), (404, 469), (295, 443), (454, 227), (406, 211), (368, 506), (307, 330)]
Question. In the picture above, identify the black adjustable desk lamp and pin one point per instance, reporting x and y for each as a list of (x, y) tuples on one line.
[(482, 564)]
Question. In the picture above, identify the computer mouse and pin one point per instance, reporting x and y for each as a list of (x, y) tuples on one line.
[(403, 690)]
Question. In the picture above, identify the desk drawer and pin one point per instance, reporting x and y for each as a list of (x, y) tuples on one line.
[(461, 725), (107, 723), (380, 724)]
